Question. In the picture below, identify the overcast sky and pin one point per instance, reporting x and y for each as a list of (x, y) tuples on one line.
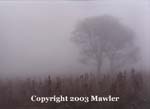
[(35, 36)]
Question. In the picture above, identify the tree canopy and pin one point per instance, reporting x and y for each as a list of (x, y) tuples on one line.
[(105, 37)]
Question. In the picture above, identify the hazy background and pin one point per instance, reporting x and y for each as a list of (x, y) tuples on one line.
[(35, 36)]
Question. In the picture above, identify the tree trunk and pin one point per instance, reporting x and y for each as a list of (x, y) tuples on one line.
[(99, 64), (111, 66)]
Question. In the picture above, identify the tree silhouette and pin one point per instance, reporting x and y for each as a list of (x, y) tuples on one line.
[(104, 37)]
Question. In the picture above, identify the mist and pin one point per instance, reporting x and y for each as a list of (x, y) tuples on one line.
[(35, 36)]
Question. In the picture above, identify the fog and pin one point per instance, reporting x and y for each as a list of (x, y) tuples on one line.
[(35, 36)]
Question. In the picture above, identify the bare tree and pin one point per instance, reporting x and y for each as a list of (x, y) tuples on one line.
[(104, 37)]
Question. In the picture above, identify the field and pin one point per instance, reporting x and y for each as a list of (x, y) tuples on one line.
[(132, 87)]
